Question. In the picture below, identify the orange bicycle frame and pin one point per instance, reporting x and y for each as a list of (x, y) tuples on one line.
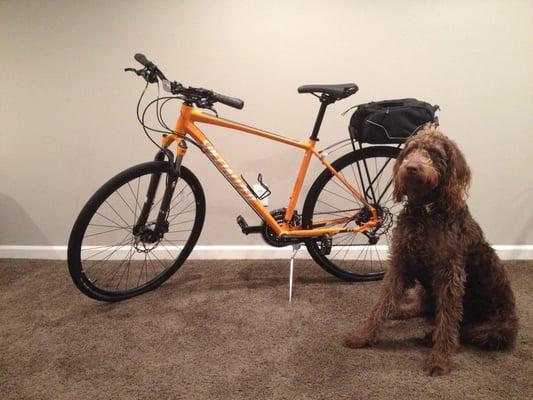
[(185, 125)]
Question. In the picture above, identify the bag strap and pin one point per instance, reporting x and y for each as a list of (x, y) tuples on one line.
[(351, 108)]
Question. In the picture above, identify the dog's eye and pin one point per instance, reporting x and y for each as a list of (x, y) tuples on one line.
[(439, 152), (437, 155), (439, 158)]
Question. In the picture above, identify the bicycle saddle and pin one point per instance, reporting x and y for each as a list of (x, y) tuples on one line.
[(340, 91)]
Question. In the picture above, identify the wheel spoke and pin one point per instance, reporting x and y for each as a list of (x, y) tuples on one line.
[(185, 212), (104, 232), (126, 271), (110, 226), (125, 202), (338, 195), (176, 196), (115, 211), (111, 221), (179, 213), (181, 223), (160, 262), (329, 205), (118, 245), (142, 268), (132, 250), (343, 188), (164, 247), (136, 198)]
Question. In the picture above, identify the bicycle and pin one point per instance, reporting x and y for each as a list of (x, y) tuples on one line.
[(140, 226)]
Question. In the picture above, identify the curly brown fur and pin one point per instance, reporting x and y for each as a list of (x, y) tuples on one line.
[(437, 244)]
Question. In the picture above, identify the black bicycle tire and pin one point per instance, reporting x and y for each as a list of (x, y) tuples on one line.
[(80, 225), (313, 195)]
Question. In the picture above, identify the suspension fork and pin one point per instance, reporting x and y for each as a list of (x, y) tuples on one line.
[(161, 225)]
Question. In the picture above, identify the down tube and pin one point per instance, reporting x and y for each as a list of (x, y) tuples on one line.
[(233, 178)]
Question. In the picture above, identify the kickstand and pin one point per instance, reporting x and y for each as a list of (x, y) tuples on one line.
[(295, 248)]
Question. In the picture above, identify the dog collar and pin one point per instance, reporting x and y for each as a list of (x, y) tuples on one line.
[(427, 208)]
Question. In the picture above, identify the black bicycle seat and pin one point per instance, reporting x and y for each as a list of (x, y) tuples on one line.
[(339, 91)]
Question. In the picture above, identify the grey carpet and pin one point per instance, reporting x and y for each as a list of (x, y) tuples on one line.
[(224, 330)]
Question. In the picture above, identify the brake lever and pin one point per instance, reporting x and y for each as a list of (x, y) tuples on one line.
[(148, 74), (212, 109), (137, 71)]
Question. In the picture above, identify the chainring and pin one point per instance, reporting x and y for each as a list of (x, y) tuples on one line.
[(270, 236)]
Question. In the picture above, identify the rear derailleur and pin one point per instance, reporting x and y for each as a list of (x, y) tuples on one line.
[(376, 232)]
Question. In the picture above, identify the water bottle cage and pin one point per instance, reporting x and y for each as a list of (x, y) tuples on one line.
[(267, 191)]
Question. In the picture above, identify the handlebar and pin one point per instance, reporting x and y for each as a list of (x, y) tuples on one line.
[(229, 101), (203, 98), (141, 59)]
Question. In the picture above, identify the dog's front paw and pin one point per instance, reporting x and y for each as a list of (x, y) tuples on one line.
[(357, 341), (437, 366)]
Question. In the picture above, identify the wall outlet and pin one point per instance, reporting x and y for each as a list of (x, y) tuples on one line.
[(259, 191)]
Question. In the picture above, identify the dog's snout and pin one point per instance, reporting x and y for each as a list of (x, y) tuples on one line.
[(412, 169)]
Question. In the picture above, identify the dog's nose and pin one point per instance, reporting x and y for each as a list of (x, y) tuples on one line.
[(412, 169)]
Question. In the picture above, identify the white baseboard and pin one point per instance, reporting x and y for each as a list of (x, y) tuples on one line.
[(506, 252), (199, 252)]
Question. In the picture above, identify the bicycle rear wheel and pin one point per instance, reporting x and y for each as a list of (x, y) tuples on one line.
[(354, 256), (106, 260)]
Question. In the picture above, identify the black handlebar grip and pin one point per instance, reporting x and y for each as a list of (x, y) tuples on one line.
[(229, 101), (141, 58)]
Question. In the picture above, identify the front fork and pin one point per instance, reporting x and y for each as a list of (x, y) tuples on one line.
[(161, 224)]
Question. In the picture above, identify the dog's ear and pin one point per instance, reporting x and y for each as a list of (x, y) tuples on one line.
[(457, 179), (398, 191)]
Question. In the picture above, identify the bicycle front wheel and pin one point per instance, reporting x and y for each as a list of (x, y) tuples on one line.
[(354, 256), (107, 260)]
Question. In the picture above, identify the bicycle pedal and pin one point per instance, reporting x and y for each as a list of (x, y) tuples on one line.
[(242, 223), (248, 229)]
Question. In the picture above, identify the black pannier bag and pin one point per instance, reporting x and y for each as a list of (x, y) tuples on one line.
[(390, 121)]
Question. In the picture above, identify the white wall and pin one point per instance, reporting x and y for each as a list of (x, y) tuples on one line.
[(67, 108)]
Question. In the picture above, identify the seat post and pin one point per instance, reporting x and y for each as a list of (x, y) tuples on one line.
[(325, 101)]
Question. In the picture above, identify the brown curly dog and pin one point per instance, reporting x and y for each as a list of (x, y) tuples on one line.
[(438, 246)]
